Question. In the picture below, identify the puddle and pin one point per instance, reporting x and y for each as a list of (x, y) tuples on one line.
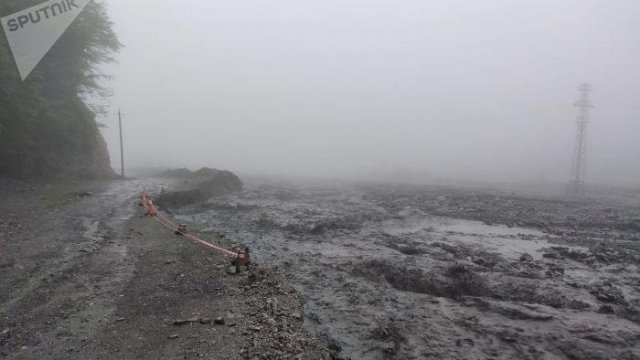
[(507, 247), (480, 228), (510, 242), (433, 224)]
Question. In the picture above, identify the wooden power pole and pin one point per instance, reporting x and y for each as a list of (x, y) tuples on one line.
[(121, 146)]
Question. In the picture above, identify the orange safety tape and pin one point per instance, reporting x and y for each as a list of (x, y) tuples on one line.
[(197, 240), (162, 220)]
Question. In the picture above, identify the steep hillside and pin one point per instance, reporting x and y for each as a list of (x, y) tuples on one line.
[(48, 124)]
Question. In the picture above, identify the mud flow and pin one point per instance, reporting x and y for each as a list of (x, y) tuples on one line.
[(401, 272)]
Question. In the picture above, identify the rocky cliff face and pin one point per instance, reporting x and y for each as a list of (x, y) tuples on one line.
[(94, 163), (59, 143)]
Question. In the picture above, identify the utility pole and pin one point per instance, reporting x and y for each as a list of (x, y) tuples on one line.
[(578, 166), (121, 146)]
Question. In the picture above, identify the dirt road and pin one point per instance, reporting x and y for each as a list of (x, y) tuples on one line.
[(85, 276)]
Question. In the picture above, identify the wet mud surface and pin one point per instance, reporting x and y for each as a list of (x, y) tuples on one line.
[(410, 272)]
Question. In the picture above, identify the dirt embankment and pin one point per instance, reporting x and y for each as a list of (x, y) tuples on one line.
[(86, 276), (192, 187)]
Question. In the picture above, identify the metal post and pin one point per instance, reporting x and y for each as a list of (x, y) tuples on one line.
[(121, 146)]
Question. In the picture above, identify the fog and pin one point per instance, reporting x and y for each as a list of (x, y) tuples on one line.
[(479, 90)]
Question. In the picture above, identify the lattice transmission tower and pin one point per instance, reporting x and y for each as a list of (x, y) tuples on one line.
[(578, 166)]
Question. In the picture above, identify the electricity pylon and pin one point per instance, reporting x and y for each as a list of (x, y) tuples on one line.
[(578, 166)]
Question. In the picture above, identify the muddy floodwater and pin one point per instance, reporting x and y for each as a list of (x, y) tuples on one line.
[(408, 272)]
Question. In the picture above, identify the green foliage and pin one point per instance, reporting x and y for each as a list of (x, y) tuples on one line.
[(46, 127)]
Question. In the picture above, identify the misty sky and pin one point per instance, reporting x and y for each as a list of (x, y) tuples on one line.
[(467, 89)]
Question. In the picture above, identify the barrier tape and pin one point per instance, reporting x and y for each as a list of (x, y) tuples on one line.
[(152, 211)]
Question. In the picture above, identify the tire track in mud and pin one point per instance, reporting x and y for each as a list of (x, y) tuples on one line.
[(77, 264)]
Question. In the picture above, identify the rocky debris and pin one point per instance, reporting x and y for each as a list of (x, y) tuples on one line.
[(554, 270), (80, 194), (606, 309), (311, 224), (572, 254), (231, 319), (458, 280), (552, 254), (324, 226), (519, 313), (526, 257), (271, 331), (404, 247), (456, 251), (219, 321), (192, 320), (486, 260), (389, 333), (598, 254), (578, 304), (464, 342), (527, 269), (5, 335), (606, 254), (630, 311), (609, 294), (466, 281), (198, 186)]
